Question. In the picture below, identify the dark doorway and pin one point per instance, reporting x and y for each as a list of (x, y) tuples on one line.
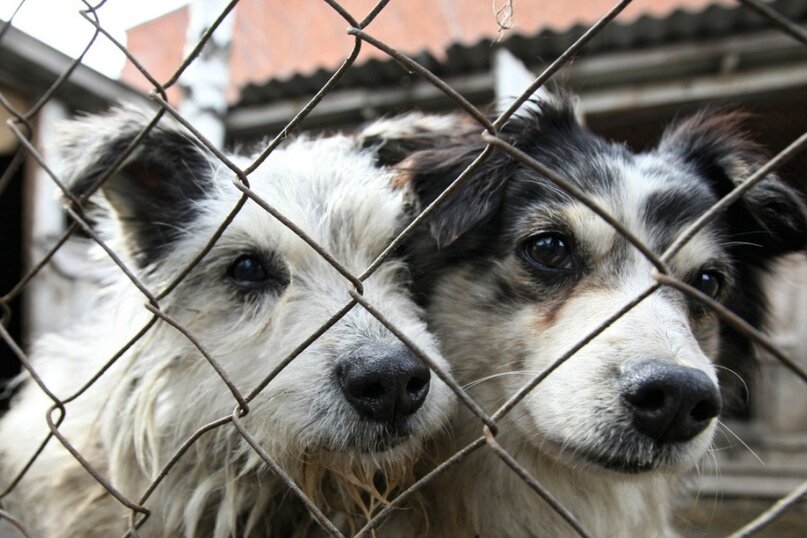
[(11, 267)]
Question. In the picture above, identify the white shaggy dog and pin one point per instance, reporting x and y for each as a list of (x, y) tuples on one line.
[(345, 418), (515, 271)]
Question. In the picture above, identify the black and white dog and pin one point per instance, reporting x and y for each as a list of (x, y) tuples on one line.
[(515, 271), (346, 418)]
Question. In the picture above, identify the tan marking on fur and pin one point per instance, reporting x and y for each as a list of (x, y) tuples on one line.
[(352, 491), (402, 180), (598, 235), (546, 318)]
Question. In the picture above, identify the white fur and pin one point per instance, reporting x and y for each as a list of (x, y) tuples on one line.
[(136, 415)]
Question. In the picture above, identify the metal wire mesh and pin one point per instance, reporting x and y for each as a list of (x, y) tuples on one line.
[(22, 123)]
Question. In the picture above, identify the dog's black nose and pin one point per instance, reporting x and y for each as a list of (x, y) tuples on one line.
[(669, 403), (384, 383)]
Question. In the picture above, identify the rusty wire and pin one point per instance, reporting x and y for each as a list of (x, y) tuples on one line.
[(769, 516), (22, 125), (537, 487)]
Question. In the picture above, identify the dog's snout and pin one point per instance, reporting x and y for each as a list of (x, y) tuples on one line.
[(668, 402), (384, 383)]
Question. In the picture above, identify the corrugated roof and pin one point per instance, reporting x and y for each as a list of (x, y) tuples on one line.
[(645, 32), (30, 67)]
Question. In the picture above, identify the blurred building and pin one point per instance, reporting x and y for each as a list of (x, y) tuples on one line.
[(657, 60), (31, 215)]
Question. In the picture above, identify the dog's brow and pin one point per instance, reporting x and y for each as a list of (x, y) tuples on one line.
[(673, 208), (588, 227)]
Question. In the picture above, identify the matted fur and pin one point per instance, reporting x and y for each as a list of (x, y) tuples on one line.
[(501, 319), (157, 213)]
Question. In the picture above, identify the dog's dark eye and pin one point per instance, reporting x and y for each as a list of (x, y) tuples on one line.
[(250, 271), (708, 283), (549, 251)]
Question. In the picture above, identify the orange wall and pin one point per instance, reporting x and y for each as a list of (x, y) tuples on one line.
[(158, 45)]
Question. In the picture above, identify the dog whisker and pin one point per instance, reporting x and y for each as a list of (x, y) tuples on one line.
[(476, 382), (742, 244), (747, 391), (722, 425)]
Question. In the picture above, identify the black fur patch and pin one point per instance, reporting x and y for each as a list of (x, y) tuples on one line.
[(672, 209), (771, 215), (154, 192)]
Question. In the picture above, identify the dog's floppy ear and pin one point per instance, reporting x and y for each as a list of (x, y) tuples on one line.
[(771, 217), (430, 172), (152, 194), (429, 152)]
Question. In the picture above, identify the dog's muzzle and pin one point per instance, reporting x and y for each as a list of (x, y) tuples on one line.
[(668, 403), (385, 384)]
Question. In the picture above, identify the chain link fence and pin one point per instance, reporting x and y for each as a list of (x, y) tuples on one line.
[(360, 28)]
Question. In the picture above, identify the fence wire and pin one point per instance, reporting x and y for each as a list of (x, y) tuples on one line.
[(22, 123)]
